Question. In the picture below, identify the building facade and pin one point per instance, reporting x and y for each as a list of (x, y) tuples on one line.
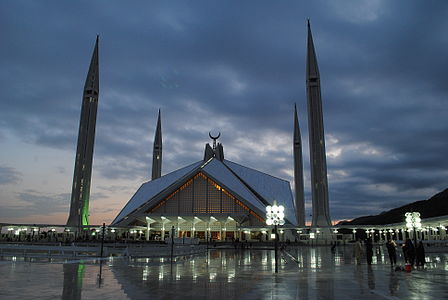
[(212, 198)]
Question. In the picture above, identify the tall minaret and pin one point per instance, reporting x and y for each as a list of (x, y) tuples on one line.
[(298, 172), (79, 206), (157, 151), (319, 184)]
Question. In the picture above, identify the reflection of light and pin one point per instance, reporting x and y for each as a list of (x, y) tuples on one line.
[(145, 273), (272, 235), (264, 259), (212, 276), (337, 260), (312, 235), (313, 259), (230, 277)]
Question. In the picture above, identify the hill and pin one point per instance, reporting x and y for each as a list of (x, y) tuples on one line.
[(436, 206)]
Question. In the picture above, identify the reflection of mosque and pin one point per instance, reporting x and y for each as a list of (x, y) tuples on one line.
[(220, 275), (73, 278), (230, 274)]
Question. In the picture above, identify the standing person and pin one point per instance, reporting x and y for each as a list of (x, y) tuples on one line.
[(369, 251), (390, 245), (409, 252), (358, 252), (420, 254)]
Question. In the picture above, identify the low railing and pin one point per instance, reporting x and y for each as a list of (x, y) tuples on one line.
[(93, 250)]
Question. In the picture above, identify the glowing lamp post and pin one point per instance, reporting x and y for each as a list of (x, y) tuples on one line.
[(275, 216), (413, 221)]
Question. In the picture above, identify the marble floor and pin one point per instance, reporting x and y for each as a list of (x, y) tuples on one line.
[(224, 274)]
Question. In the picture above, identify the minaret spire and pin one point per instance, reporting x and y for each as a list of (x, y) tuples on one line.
[(157, 151), (298, 172), (79, 205), (319, 183)]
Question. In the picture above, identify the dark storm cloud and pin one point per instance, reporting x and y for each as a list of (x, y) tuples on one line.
[(9, 175), (238, 67)]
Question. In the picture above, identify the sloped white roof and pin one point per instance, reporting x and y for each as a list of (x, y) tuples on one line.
[(236, 178), (216, 169), (269, 187), (152, 188)]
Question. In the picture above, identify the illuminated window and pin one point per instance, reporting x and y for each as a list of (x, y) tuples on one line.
[(202, 195)]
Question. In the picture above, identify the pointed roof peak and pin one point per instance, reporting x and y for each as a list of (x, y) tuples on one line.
[(158, 135), (297, 137), (312, 70), (308, 23), (92, 85)]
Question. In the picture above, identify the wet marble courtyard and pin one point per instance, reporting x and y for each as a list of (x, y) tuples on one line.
[(224, 274)]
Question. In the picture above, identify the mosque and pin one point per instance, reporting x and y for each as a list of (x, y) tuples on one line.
[(214, 198)]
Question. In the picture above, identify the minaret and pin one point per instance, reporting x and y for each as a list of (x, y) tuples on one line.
[(298, 172), (319, 184), (157, 151), (79, 206)]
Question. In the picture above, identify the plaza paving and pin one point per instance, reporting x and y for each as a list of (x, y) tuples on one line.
[(224, 274)]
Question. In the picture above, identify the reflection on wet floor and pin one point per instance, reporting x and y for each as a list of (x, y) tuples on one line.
[(226, 273)]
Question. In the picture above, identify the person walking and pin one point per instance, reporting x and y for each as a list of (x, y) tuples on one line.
[(391, 250), (369, 251), (358, 252), (420, 255)]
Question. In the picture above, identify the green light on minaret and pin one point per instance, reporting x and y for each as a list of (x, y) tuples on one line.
[(85, 211), (79, 207)]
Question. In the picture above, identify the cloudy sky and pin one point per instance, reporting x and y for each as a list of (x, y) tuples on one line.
[(232, 66)]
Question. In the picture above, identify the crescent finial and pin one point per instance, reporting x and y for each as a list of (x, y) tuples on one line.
[(214, 137)]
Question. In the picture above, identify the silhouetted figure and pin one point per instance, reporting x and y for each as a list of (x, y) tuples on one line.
[(409, 252), (369, 251), (390, 245), (420, 254)]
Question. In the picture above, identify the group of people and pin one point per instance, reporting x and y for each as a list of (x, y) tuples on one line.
[(412, 255)]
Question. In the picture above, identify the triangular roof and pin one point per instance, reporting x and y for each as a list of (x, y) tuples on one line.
[(151, 188), (270, 188), (220, 173), (254, 188)]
